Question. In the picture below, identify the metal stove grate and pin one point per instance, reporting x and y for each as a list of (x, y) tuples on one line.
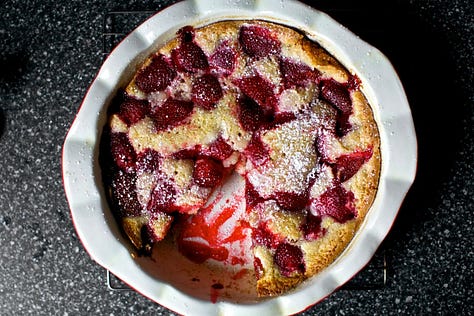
[(116, 26)]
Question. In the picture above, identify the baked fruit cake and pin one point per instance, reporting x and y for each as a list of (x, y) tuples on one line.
[(259, 100)]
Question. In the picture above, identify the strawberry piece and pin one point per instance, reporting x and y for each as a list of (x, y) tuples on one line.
[(223, 60), (163, 197), (256, 151), (156, 76), (258, 267), (207, 172), (295, 74), (260, 90), (263, 236), (189, 57), (252, 197), (311, 228), (347, 166), (219, 149), (336, 202), (206, 92), (124, 194), (343, 126), (251, 115), (188, 153), (171, 113), (289, 258), (148, 161), (122, 150), (338, 95), (133, 110), (290, 201), (257, 41)]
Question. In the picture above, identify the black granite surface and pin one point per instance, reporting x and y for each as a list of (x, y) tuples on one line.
[(50, 52)]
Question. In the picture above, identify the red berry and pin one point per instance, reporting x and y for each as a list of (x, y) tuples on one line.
[(251, 115), (162, 197), (336, 202), (311, 228), (258, 42), (156, 76), (263, 236), (148, 161), (188, 153), (295, 74), (260, 90), (289, 258), (207, 172), (133, 110), (206, 92), (122, 150), (347, 166), (252, 197), (223, 60), (290, 201), (124, 194), (219, 149), (256, 151), (171, 113), (189, 57), (338, 95)]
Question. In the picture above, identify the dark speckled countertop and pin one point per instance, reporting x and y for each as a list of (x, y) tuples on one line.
[(50, 52)]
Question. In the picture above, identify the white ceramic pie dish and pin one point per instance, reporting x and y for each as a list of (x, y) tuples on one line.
[(95, 224)]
